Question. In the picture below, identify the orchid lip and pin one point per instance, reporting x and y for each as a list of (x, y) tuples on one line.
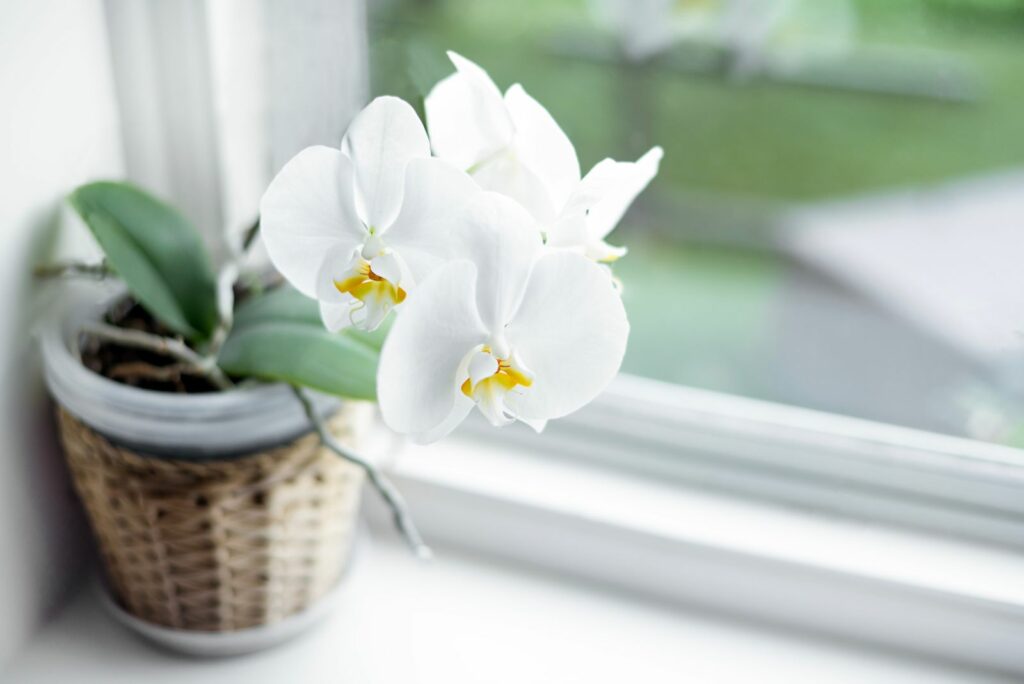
[(373, 295), (373, 246), (365, 284), (490, 378)]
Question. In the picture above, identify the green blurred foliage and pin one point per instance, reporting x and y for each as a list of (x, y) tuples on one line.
[(704, 312), (762, 138)]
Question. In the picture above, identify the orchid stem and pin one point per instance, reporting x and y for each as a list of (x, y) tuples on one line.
[(73, 268), (230, 269), (393, 499), (205, 366), (250, 235)]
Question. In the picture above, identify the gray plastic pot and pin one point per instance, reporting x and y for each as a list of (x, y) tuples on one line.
[(214, 425)]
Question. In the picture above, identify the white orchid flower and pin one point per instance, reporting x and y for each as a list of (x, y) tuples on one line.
[(512, 145), (356, 227), (518, 331)]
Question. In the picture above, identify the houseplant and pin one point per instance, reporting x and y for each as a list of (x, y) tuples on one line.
[(202, 414)]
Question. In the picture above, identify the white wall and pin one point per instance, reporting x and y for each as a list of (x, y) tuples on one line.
[(58, 128), (199, 102)]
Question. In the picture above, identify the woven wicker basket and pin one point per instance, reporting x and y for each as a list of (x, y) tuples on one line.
[(218, 545)]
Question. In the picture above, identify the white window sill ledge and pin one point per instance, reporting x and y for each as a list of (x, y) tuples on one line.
[(466, 620), (653, 557), (874, 582)]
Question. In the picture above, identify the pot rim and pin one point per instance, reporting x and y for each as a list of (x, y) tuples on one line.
[(163, 424)]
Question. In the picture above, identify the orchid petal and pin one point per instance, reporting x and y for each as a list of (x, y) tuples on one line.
[(570, 330), (612, 186), (308, 209), (466, 115), (602, 252), (388, 267), (502, 240), (336, 316), (418, 376), (434, 193), (381, 141), (507, 175), (569, 231), (542, 146), (512, 402), (462, 407), (491, 402), (369, 315), (481, 365), (535, 424)]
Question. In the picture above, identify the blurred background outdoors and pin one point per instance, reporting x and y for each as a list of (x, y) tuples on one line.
[(840, 211)]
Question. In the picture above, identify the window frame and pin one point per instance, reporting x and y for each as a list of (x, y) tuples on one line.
[(796, 456), (823, 523)]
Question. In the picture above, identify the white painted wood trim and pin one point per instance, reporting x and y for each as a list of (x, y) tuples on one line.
[(896, 588), (216, 95), (162, 71), (820, 461)]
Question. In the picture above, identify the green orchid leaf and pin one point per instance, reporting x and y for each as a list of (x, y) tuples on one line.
[(301, 354), (286, 304), (156, 251), (282, 304)]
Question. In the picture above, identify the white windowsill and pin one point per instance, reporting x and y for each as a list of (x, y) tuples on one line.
[(467, 620), (562, 569), (897, 588), (877, 552)]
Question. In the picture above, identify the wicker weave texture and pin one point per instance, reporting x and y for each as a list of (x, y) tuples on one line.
[(218, 545)]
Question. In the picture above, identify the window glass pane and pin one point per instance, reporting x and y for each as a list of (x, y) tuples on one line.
[(840, 210)]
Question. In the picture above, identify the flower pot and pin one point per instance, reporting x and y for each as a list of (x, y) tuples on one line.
[(214, 513)]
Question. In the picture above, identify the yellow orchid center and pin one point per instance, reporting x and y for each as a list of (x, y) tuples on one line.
[(370, 288), (505, 378)]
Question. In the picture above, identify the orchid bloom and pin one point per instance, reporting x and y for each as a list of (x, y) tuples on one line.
[(357, 227), (510, 144), (516, 330)]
